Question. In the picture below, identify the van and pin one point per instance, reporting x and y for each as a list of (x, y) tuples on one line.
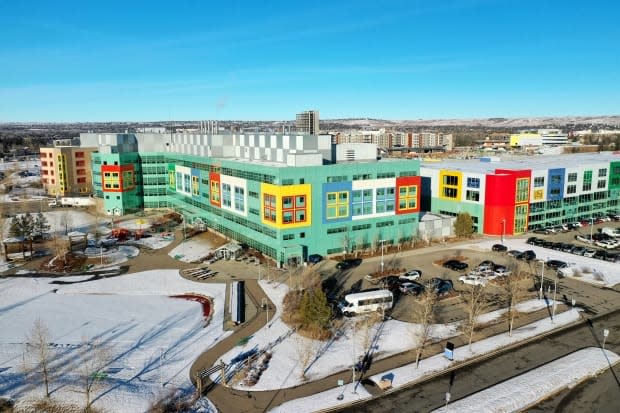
[(366, 302)]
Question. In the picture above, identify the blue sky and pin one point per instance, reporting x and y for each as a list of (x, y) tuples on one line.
[(131, 60)]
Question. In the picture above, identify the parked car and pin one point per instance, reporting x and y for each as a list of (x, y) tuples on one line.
[(612, 257), (547, 244), (486, 265), (514, 253), (555, 264), (440, 286), (556, 246), (566, 247), (314, 258), (589, 253), (502, 272), (600, 254), (531, 240), (411, 275), (455, 265), (528, 255), (583, 238), (411, 288), (499, 248), (542, 231), (578, 250), (473, 279), (349, 263)]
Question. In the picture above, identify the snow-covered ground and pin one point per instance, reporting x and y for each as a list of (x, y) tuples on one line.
[(287, 370), (528, 389), (132, 314), (191, 250), (591, 270)]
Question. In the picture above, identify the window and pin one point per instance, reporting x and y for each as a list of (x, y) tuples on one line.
[(450, 192), (539, 181), (195, 185), (472, 195), (601, 184), (293, 209), (186, 183), (556, 179), (286, 237), (555, 192), (451, 180), (450, 187), (602, 172), (239, 199), (226, 195), (361, 202), (408, 197), (587, 176), (473, 183), (337, 205), (179, 181), (269, 207), (522, 190), (571, 189), (572, 177), (79, 154), (386, 199), (215, 192), (587, 186)]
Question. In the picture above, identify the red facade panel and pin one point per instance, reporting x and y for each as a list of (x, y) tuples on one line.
[(499, 204), (215, 189), (405, 207)]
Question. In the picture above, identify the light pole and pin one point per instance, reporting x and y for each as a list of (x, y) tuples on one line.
[(605, 334), (354, 360), (503, 229), (555, 290), (382, 263), (542, 278), (591, 227)]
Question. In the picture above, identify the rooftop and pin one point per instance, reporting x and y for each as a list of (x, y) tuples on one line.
[(523, 162)]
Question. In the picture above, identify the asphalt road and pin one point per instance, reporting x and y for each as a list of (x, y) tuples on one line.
[(601, 394)]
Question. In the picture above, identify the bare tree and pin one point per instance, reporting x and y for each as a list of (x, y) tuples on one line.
[(91, 363), (306, 349), (514, 291), (66, 221), (40, 353), (476, 301), (425, 316), (62, 246)]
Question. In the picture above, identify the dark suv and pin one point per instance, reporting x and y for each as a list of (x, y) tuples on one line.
[(499, 248), (528, 255), (350, 263), (555, 264), (455, 265)]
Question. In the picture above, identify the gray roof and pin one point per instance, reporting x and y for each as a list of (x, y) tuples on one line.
[(515, 162)]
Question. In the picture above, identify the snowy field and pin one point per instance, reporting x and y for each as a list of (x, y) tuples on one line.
[(594, 271), (528, 389), (131, 314)]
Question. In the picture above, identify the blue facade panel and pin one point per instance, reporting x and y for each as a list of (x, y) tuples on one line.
[(555, 184)]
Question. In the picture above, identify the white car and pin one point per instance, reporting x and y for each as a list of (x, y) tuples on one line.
[(502, 272), (583, 238), (411, 275), (473, 280), (607, 244)]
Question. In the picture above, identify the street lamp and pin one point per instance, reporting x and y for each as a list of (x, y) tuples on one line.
[(555, 289), (542, 278), (354, 361), (605, 334), (503, 229), (382, 263)]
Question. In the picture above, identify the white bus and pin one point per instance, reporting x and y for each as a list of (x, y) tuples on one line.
[(365, 302)]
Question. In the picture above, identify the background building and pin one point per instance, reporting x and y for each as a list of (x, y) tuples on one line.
[(308, 122), (66, 169)]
